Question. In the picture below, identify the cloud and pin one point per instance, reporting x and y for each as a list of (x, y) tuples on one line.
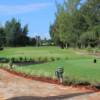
[(20, 9)]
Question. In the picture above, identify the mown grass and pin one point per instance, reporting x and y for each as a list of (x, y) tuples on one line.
[(77, 67), (76, 70), (35, 52)]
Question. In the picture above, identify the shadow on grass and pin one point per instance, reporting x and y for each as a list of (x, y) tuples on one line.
[(60, 97), (25, 64)]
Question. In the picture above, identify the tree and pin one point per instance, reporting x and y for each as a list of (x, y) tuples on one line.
[(15, 34), (2, 37), (76, 24), (23, 38), (62, 29), (38, 41), (91, 13), (32, 41)]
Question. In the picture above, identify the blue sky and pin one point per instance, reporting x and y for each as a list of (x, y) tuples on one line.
[(38, 14)]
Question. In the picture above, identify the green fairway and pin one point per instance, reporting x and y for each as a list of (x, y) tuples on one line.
[(35, 52), (77, 67)]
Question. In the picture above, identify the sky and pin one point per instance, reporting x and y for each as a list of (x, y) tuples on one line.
[(38, 14)]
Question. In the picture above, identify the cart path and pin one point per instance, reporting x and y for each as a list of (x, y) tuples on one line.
[(13, 87)]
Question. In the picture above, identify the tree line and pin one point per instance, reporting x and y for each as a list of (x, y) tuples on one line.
[(77, 24), (13, 34)]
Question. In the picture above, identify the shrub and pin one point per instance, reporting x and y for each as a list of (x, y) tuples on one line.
[(45, 59), (25, 59), (40, 59), (28, 59), (52, 59), (89, 50), (4, 60), (68, 81), (20, 59), (58, 58), (7, 60), (31, 60), (13, 59), (1, 48), (75, 82)]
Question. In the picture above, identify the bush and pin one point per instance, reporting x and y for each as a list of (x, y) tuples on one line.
[(90, 50), (75, 82), (4, 60), (57, 58), (7, 60), (31, 60), (45, 59), (25, 59), (40, 59), (1, 48), (13, 59), (67, 81), (52, 59), (20, 59)]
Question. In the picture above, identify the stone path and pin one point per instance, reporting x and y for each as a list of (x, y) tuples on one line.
[(13, 87)]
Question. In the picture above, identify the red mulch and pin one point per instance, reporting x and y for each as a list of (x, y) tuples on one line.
[(48, 80), (43, 79)]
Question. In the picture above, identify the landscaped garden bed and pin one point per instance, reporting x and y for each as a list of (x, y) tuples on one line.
[(52, 81), (38, 78), (79, 70)]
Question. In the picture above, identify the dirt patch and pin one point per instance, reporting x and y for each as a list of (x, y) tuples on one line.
[(43, 79), (14, 87), (50, 80)]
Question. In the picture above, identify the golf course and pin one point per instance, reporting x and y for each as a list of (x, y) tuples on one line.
[(50, 50)]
